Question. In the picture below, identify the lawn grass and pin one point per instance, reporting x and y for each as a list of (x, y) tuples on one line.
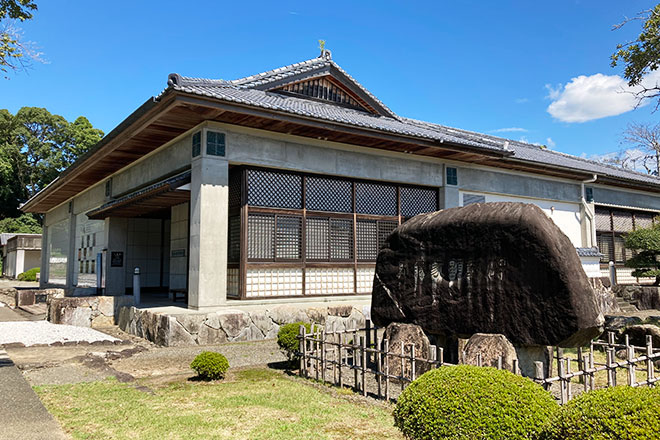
[(250, 404)]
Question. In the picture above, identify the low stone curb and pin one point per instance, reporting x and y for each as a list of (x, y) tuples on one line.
[(67, 344)]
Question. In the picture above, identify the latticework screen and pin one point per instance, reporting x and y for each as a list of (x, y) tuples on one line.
[(605, 247), (341, 239), (622, 221), (234, 239), (235, 187), (375, 198), (333, 195), (418, 200), (317, 238), (329, 239), (288, 241), (366, 238), (643, 220), (261, 236), (274, 189), (603, 222)]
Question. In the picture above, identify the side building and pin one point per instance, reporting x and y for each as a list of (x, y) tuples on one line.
[(285, 183)]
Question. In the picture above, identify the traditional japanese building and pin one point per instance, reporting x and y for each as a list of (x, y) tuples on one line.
[(285, 183)]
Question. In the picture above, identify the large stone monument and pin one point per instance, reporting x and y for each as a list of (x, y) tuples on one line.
[(502, 268)]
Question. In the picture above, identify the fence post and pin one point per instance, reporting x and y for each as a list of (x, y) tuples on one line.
[(569, 385), (515, 366), (379, 366), (538, 372), (592, 375), (649, 362), (580, 365), (500, 361), (478, 359), (561, 366), (412, 362), (323, 363), (367, 333), (611, 374), (402, 360), (441, 356), (363, 364), (356, 360), (340, 349), (631, 366), (303, 353), (386, 349)]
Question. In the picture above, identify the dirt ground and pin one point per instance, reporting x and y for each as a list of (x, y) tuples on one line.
[(135, 359)]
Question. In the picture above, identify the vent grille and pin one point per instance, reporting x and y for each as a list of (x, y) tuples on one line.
[(331, 195), (416, 201), (376, 199), (273, 189)]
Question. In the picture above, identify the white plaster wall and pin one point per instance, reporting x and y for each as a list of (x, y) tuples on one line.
[(31, 260), (11, 265), (565, 215)]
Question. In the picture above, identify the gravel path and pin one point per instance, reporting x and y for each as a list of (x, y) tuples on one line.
[(42, 332)]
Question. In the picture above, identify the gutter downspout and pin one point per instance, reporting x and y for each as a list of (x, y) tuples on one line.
[(587, 211)]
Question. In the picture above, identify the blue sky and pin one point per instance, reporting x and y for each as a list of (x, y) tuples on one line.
[(531, 67)]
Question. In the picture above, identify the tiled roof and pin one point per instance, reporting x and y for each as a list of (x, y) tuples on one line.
[(588, 252), (247, 91)]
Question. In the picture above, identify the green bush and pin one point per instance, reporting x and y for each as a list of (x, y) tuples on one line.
[(617, 413), (30, 275), (287, 339), (468, 402), (210, 365)]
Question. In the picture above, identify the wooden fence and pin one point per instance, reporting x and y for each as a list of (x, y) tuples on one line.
[(363, 359)]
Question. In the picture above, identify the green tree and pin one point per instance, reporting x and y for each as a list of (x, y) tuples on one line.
[(35, 146), (14, 53), (646, 261), (641, 56), (25, 224)]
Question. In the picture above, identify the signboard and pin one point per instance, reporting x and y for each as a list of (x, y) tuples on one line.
[(178, 252), (116, 259)]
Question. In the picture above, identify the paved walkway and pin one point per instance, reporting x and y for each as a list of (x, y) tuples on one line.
[(7, 314), (22, 415)]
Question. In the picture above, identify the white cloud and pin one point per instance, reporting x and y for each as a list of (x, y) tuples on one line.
[(510, 130), (550, 143), (586, 98)]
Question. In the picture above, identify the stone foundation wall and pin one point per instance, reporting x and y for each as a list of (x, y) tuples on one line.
[(644, 297), (231, 325), (86, 311)]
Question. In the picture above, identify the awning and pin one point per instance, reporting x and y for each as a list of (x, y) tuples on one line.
[(153, 198)]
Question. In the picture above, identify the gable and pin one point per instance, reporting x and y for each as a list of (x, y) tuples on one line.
[(325, 88)]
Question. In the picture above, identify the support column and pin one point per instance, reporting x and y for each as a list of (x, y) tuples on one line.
[(20, 262), (450, 194), (43, 275), (71, 255), (207, 271), (116, 234)]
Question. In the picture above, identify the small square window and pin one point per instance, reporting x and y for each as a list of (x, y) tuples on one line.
[(215, 143), (452, 176), (197, 144), (589, 194)]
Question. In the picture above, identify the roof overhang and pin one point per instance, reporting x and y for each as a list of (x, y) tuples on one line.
[(161, 120), (148, 200)]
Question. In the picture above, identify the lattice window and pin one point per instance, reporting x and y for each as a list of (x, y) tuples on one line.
[(385, 228), (321, 88), (215, 143), (235, 187), (317, 238), (289, 229), (621, 254), (333, 195), (605, 247), (643, 220), (341, 239), (622, 221), (234, 239), (376, 199), (366, 237), (603, 222), (196, 144), (261, 236), (274, 189), (469, 199), (416, 200)]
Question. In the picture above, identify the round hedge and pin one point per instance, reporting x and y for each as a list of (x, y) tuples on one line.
[(210, 365), (468, 402), (617, 413), (287, 338)]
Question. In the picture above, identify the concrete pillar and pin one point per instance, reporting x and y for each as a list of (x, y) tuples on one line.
[(71, 260), (43, 272), (588, 224), (207, 271), (116, 234)]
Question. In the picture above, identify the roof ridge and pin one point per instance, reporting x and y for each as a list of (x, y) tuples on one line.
[(245, 79)]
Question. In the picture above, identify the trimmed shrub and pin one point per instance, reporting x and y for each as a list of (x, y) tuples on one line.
[(617, 413), (287, 339), (468, 402), (210, 365), (29, 275)]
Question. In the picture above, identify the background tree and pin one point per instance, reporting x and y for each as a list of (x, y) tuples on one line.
[(14, 53), (645, 138), (35, 146), (646, 262), (641, 56)]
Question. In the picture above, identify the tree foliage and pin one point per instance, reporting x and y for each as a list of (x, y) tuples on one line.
[(35, 146), (14, 53), (646, 261), (641, 56), (25, 224)]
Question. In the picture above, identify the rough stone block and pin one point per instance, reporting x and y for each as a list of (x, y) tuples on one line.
[(502, 268), (490, 347), (211, 336), (637, 334), (527, 355), (407, 334), (103, 321), (287, 314), (24, 298), (263, 322), (233, 323), (647, 297), (178, 336)]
